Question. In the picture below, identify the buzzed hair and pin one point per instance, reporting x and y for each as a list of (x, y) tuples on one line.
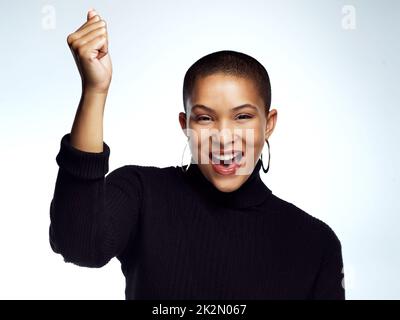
[(231, 63)]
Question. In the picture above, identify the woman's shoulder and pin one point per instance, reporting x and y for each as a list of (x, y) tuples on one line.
[(298, 219), (146, 174)]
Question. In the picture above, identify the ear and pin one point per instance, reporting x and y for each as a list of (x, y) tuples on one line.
[(182, 122), (271, 119)]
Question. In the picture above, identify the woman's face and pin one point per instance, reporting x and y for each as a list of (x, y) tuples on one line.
[(227, 126)]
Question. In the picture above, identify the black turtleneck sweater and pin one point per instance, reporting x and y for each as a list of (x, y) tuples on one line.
[(179, 237)]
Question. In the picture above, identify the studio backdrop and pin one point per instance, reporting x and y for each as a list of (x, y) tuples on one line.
[(334, 68)]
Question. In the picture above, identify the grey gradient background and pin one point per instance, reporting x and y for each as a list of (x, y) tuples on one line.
[(334, 152)]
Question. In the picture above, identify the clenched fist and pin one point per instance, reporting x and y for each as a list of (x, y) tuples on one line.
[(89, 46)]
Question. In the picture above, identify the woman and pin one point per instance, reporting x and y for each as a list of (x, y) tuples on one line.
[(208, 230)]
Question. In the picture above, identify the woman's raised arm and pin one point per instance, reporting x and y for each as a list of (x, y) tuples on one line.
[(92, 216), (89, 47)]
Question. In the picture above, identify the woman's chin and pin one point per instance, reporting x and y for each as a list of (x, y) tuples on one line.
[(225, 183), (226, 187)]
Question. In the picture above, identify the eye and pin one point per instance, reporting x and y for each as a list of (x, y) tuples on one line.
[(203, 118), (244, 116)]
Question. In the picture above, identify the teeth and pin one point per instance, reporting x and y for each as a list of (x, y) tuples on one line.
[(224, 157), (228, 157)]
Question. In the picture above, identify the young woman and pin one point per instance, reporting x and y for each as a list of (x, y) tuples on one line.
[(207, 230)]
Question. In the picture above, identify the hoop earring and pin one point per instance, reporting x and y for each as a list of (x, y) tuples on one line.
[(185, 170), (269, 159)]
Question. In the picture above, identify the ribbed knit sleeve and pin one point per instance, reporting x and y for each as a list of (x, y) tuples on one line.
[(85, 165), (92, 216), (329, 284)]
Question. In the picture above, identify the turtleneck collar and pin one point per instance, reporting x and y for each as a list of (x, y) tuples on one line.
[(251, 193)]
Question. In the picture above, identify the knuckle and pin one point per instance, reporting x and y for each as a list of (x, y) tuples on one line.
[(70, 39)]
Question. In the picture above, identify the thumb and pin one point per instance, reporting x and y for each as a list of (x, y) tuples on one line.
[(91, 14)]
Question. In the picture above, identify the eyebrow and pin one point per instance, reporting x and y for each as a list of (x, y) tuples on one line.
[(246, 105)]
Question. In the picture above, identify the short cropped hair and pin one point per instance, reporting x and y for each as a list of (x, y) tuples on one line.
[(231, 63)]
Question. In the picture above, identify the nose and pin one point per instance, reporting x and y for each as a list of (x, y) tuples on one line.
[(223, 139)]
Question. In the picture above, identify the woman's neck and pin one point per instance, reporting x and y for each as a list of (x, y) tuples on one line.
[(251, 193)]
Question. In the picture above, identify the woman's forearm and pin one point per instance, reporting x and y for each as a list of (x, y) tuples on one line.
[(87, 129)]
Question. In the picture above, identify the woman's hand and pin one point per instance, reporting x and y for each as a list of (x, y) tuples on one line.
[(89, 46)]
